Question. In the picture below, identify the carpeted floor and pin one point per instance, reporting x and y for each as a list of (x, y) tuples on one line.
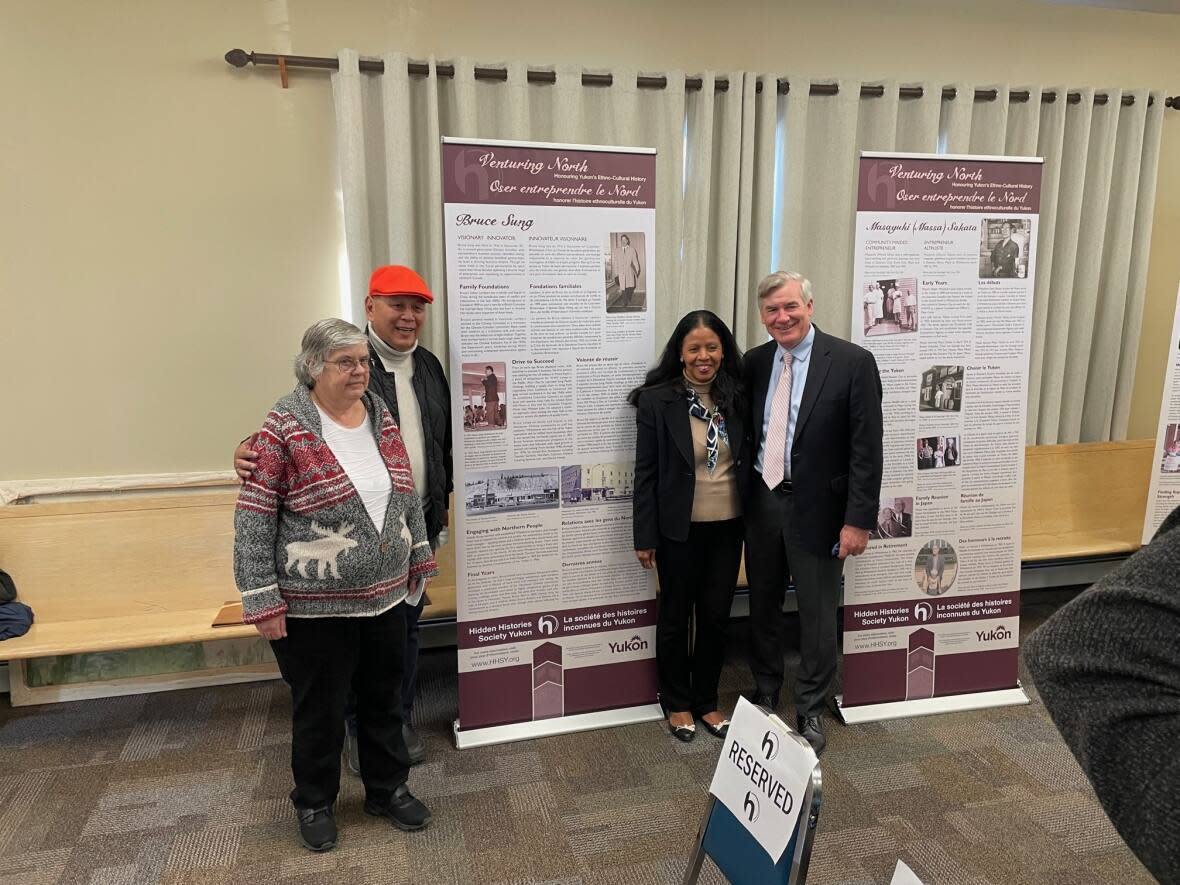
[(190, 787)]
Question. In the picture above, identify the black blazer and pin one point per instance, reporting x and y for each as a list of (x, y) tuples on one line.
[(836, 455), (665, 467)]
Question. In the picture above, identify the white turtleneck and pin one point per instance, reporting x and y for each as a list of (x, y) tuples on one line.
[(401, 364)]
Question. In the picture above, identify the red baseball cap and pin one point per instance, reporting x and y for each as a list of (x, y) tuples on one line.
[(397, 279)]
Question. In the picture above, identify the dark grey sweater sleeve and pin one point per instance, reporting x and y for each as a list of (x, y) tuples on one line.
[(1107, 667)]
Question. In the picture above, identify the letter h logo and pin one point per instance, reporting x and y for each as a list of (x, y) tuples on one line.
[(465, 172), (874, 183)]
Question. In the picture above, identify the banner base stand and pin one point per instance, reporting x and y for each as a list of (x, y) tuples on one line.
[(957, 703), (520, 731)]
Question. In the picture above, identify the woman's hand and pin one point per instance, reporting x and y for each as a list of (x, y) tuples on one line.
[(273, 628), (647, 558)]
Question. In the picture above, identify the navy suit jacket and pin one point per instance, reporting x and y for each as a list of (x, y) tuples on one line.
[(836, 454), (665, 465)]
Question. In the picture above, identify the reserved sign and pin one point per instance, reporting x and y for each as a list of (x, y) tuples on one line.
[(762, 777)]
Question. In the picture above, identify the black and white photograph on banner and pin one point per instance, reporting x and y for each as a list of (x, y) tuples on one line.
[(1003, 248), (941, 389), (890, 306), (936, 567), (510, 490), (938, 451), (626, 272), (485, 396), (1170, 458), (596, 483), (895, 519)]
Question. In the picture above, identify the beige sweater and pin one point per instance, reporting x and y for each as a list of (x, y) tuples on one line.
[(716, 496)]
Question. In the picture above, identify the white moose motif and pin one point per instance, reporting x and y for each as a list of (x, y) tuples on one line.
[(324, 549), (406, 536)]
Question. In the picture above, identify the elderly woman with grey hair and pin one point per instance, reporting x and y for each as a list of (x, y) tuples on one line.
[(329, 542)]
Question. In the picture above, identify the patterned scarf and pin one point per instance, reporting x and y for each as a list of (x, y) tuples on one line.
[(716, 426)]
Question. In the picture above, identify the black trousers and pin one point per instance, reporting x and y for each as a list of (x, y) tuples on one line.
[(697, 576), (321, 659), (773, 558), (409, 671)]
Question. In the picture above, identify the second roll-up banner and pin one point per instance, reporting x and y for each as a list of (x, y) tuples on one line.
[(945, 261), (550, 290)]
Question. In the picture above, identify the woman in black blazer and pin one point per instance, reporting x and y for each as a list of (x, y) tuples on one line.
[(688, 453)]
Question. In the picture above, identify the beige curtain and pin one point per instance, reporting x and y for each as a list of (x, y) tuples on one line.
[(1098, 191), (750, 180), (389, 129)]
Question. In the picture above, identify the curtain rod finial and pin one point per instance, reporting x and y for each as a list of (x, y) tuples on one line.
[(239, 58), (1172, 101)]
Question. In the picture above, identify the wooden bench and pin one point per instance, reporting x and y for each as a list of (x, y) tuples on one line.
[(152, 569), (130, 572), (1084, 505), (1085, 500)]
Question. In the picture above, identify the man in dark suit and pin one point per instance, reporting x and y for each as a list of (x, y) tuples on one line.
[(811, 500), (491, 396), (1005, 253), (903, 518)]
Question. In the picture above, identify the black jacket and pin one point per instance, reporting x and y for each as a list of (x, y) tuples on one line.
[(1107, 667), (665, 466), (434, 403), (836, 454)]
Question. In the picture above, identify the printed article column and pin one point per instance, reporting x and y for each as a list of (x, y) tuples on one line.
[(551, 289), (1163, 494), (944, 269)]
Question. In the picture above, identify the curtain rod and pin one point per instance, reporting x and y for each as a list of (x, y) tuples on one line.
[(239, 58)]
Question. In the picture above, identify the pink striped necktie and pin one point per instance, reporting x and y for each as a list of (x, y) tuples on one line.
[(774, 456)]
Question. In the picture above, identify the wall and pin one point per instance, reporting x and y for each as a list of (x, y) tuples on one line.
[(172, 224)]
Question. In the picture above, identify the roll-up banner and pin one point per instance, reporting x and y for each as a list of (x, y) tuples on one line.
[(551, 309), (1163, 494), (943, 293)]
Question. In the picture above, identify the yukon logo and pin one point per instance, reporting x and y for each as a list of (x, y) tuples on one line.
[(770, 745), (635, 643), (750, 807), (547, 625), (995, 634), (923, 611)]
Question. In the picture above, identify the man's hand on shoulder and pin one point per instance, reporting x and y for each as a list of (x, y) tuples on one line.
[(853, 541), (245, 458)]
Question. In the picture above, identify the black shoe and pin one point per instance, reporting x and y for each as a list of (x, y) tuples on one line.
[(811, 728), (682, 732), (719, 731), (402, 809), (352, 756), (317, 828), (765, 699), (414, 744)]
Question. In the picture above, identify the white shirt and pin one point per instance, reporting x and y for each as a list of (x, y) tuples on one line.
[(356, 450)]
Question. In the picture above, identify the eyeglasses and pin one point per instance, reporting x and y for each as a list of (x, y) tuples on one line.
[(347, 365)]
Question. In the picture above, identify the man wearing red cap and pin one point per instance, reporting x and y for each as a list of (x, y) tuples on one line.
[(410, 379)]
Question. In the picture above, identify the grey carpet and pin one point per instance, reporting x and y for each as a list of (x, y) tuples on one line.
[(190, 787)]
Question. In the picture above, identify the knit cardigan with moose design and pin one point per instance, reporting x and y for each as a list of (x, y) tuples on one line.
[(304, 543)]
